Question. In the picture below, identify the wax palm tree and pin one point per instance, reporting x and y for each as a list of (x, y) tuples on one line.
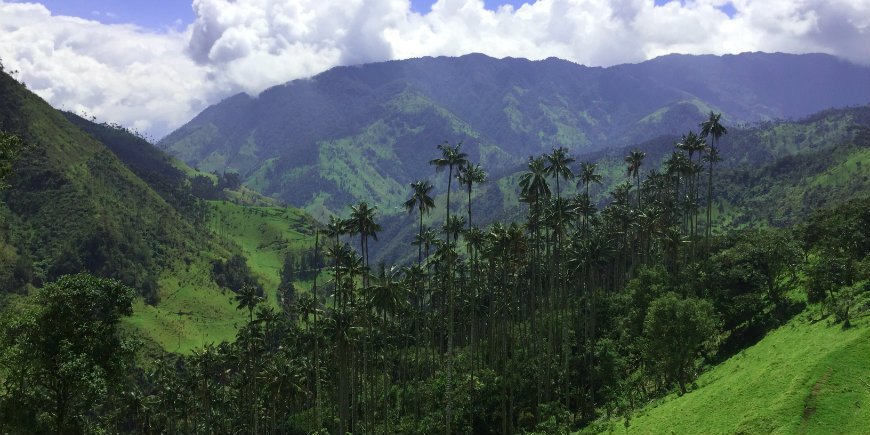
[(362, 222), (421, 200), (336, 228), (387, 296), (535, 191), (455, 226), (588, 176), (712, 127), (533, 182), (248, 298), (558, 166), (634, 160), (451, 157), (470, 175)]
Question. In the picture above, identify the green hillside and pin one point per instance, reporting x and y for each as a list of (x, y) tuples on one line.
[(96, 198), (265, 235), (774, 173), (193, 311), (808, 376), (364, 132)]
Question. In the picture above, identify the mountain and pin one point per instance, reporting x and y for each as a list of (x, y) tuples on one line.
[(365, 132), (772, 173), (96, 198)]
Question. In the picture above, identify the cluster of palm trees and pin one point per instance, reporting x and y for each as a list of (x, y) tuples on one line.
[(530, 324)]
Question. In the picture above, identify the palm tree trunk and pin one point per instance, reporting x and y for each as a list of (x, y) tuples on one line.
[(708, 228)]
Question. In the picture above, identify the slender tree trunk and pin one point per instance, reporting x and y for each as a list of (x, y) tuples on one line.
[(450, 321), (316, 341), (709, 229)]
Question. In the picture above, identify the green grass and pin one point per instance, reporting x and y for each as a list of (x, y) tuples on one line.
[(192, 310), (805, 377), (264, 235)]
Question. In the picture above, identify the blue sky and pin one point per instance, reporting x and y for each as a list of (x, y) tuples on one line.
[(165, 13), (158, 14)]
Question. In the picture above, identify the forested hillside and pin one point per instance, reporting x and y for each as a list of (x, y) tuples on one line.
[(774, 173), (626, 289), (94, 197), (362, 132)]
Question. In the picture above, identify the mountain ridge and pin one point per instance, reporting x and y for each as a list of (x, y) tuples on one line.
[(509, 108)]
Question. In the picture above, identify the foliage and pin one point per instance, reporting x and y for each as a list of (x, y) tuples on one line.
[(678, 332), (64, 360), (599, 295), (10, 148), (234, 274)]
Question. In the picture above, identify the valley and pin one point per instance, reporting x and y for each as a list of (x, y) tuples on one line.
[(643, 248)]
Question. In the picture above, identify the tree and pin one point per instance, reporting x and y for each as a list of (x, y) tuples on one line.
[(470, 175), (451, 157), (248, 298), (711, 127), (559, 166), (634, 160), (422, 201), (65, 359), (533, 182), (362, 222), (588, 175), (10, 148), (678, 332)]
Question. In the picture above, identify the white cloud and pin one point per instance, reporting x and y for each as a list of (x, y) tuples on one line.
[(157, 80)]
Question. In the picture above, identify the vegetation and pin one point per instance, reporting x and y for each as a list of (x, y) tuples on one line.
[(579, 315), (355, 134)]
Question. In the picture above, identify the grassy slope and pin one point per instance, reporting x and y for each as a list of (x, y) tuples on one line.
[(805, 377), (264, 234), (192, 310)]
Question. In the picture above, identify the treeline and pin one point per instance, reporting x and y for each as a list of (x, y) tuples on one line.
[(544, 325)]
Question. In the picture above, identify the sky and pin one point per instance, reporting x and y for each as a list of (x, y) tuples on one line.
[(153, 65)]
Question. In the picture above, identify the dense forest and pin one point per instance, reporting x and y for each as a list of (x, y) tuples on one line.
[(583, 311)]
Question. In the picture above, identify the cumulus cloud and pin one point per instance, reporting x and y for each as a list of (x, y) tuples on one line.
[(119, 73), (158, 79)]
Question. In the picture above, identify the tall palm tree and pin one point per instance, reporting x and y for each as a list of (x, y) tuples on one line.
[(451, 157), (634, 160), (248, 298), (533, 182), (714, 128), (470, 175), (588, 176), (421, 200), (362, 222), (559, 166)]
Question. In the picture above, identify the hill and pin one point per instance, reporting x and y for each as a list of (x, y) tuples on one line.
[(806, 377), (365, 132), (772, 173), (96, 198)]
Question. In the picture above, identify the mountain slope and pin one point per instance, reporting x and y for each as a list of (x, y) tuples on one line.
[(773, 173), (73, 205), (365, 132), (95, 198), (805, 377)]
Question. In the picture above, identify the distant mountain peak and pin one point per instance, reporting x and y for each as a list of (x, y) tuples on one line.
[(349, 133)]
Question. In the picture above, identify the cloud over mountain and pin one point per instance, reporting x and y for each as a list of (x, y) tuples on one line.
[(157, 79)]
